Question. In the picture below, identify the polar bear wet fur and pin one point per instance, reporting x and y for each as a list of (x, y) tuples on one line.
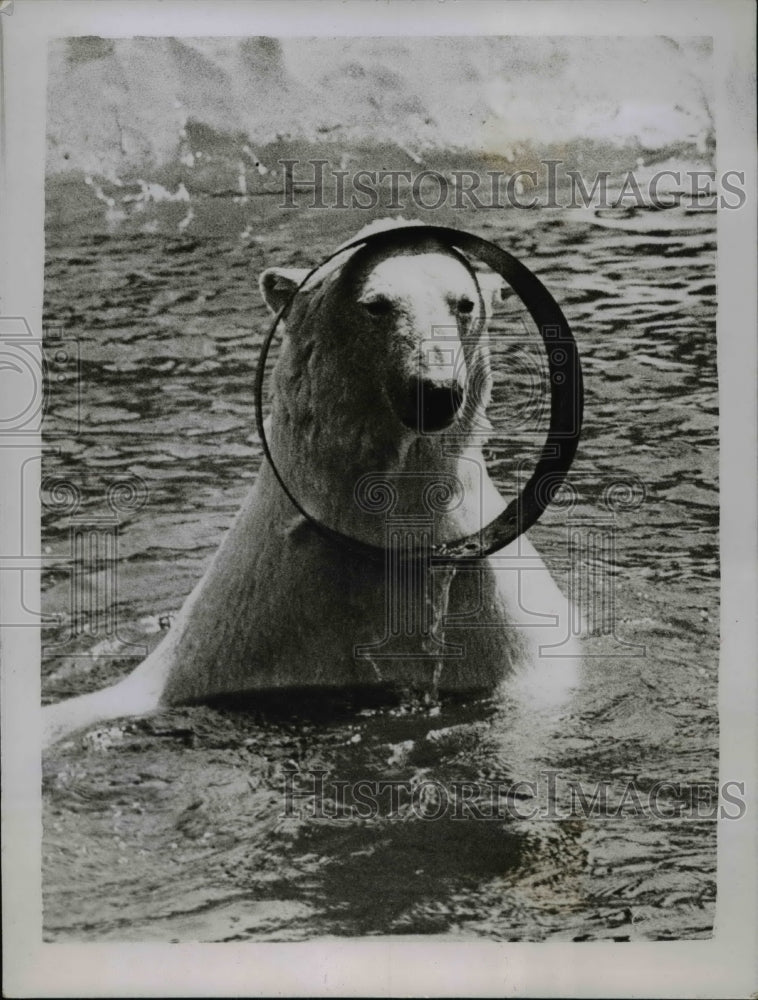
[(366, 397)]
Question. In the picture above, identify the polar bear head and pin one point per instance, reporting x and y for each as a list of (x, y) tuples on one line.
[(383, 346)]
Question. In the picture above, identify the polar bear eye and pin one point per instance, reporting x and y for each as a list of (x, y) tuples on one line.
[(378, 306), (465, 305)]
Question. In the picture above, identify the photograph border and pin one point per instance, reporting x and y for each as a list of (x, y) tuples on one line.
[(727, 965)]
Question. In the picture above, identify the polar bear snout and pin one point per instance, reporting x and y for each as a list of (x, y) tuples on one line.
[(432, 404)]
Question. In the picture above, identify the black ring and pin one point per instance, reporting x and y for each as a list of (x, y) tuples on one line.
[(566, 398)]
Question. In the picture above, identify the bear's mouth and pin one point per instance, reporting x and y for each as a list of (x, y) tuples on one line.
[(431, 406)]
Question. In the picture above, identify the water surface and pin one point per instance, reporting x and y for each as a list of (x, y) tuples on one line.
[(176, 827)]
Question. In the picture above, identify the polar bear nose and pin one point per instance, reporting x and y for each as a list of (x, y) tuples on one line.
[(431, 405)]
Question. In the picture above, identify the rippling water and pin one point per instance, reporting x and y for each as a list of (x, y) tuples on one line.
[(175, 827)]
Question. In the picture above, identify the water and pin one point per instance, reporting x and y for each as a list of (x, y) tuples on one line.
[(176, 827)]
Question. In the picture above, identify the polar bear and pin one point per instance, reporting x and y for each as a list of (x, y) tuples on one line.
[(379, 399)]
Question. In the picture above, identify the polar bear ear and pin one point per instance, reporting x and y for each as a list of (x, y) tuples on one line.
[(494, 290), (278, 284)]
